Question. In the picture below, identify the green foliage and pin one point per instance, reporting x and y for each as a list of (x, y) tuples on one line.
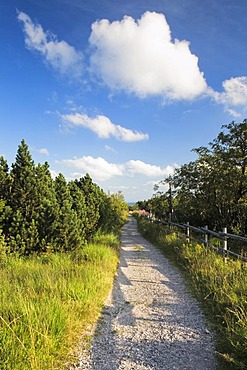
[(212, 190), (108, 239), (47, 301), (23, 182), (46, 206), (3, 246), (79, 207), (67, 233), (113, 213), (220, 286), (4, 179), (92, 195), (40, 214), (48, 297)]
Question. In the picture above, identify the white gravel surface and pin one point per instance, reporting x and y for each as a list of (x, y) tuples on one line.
[(150, 321)]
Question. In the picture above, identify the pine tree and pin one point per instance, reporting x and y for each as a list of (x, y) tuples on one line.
[(3, 246), (67, 233), (23, 182), (46, 207), (22, 201), (4, 179), (5, 186), (92, 200), (79, 206), (17, 233)]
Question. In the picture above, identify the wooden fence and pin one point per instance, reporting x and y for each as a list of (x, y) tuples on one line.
[(205, 233)]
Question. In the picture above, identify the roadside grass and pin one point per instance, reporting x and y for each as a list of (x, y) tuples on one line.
[(220, 286), (47, 301)]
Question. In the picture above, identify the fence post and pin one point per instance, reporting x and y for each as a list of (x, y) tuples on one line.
[(187, 231), (206, 237), (225, 243)]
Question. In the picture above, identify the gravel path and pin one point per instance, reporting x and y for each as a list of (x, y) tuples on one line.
[(149, 321)]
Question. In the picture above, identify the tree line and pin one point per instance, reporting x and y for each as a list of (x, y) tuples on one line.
[(40, 214), (212, 189)]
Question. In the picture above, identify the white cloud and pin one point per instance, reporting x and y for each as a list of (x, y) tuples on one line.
[(233, 112), (109, 149), (233, 97), (98, 168), (139, 167), (141, 57), (104, 128), (59, 54), (101, 170), (43, 151), (235, 92)]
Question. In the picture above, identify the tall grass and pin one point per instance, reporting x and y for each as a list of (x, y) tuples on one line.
[(47, 301), (220, 286)]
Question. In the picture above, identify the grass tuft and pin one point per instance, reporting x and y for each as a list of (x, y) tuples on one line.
[(47, 301)]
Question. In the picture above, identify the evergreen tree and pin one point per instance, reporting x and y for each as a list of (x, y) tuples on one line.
[(67, 228), (3, 246), (37, 213), (22, 201), (92, 200), (4, 179), (23, 182), (46, 207), (79, 206), (17, 233), (5, 186)]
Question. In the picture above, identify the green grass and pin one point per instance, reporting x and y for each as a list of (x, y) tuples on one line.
[(46, 302), (220, 286)]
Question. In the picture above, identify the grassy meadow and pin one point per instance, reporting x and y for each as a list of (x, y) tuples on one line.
[(47, 301), (220, 286)]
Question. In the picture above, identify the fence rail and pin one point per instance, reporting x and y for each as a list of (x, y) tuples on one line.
[(205, 232)]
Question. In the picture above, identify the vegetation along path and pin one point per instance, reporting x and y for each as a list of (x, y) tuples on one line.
[(150, 321)]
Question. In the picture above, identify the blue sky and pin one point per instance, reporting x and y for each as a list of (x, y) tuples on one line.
[(122, 90)]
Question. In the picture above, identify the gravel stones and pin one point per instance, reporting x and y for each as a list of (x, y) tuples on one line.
[(150, 321)]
